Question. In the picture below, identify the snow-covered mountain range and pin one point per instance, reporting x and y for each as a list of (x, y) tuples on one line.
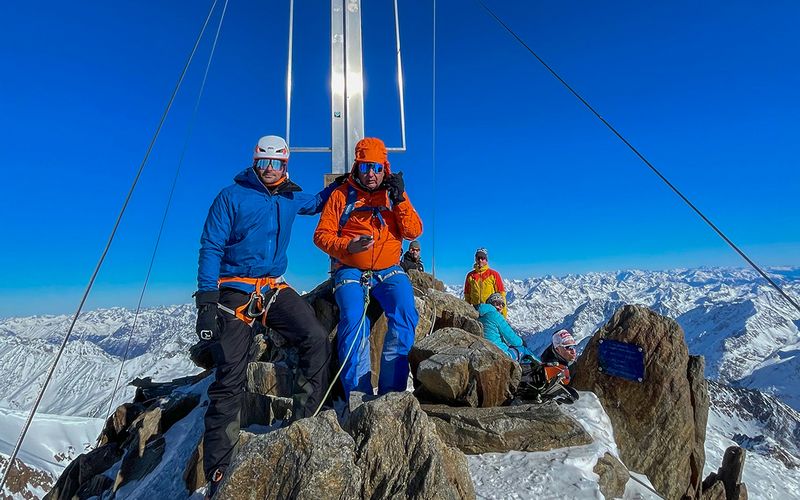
[(89, 367), (748, 334)]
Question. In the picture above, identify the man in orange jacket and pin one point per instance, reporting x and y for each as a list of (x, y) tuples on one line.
[(362, 228)]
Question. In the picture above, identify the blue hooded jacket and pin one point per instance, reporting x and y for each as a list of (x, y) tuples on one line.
[(247, 230), (497, 330)]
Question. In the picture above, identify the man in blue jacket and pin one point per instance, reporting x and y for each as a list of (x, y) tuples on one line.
[(239, 282), (497, 330)]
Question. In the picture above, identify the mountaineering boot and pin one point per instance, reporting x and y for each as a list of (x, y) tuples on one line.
[(214, 482)]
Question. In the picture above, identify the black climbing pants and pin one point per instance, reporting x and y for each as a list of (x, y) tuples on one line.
[(291, 317)]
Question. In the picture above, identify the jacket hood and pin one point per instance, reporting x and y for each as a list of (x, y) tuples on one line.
[(249, 178), (484, 309)]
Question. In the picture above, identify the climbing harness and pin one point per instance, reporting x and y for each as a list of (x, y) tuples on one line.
[(366, 277), (258, 304)]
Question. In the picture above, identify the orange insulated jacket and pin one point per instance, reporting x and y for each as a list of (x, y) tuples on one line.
[(370, 215)]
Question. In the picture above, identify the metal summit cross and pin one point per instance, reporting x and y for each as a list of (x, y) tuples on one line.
[(347, 86)]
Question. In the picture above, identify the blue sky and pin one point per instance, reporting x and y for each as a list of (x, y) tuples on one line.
[(706, 90)]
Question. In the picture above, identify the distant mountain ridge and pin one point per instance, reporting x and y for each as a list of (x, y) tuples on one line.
[(84, 379), (748, 334)]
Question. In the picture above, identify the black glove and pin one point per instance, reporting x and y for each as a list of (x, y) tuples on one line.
[(207, 327), (396, 187)]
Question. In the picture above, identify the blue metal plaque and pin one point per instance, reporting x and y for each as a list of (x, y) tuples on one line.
[(621, 360)]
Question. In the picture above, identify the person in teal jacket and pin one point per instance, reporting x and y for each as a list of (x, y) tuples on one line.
[(497, 330)]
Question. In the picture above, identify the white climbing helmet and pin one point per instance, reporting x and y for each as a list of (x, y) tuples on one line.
[(271, 147)]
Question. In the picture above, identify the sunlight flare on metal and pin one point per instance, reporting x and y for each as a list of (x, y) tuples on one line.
[(346, 85)]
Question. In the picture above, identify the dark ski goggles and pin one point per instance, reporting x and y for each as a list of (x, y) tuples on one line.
[(365, 167), (267, 163)]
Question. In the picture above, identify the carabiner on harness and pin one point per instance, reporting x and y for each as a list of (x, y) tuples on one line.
[(255, 306), (366, 276)]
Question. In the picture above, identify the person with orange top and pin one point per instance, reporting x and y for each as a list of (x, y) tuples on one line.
[(482, 282), (362, 228)]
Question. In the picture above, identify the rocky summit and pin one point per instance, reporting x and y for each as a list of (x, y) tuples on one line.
[(418, 445)]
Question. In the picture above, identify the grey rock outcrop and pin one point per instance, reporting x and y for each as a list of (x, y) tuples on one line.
[(259, 409), (424, 281), (81, 471), (410, 460), (311, 459), (134, 439), (145, 444), (390, 450), (613, 476), (324, 305), (270, 379), (452, 312), (659, 424), (458, 368), (726, 483), (118, 424), (506, 428)]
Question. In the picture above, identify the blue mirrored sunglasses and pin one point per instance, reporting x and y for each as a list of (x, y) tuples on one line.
[(274, 164), (367, 166)]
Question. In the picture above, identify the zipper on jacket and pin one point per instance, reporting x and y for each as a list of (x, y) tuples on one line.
[(278, 230)]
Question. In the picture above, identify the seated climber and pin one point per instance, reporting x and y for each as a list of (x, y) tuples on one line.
[(561, 351), (497, 330), (548, 379), (412, 259), (362, 228)]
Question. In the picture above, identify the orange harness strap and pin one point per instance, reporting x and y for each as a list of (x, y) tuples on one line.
[(255, 307)]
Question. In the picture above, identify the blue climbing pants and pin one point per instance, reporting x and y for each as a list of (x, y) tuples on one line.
[(392, 289)]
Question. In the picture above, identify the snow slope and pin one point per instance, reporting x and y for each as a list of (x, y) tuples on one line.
[(84, 380), (560, 473), (53, 442)]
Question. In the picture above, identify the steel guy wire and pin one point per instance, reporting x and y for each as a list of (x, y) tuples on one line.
[(60, 351)]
